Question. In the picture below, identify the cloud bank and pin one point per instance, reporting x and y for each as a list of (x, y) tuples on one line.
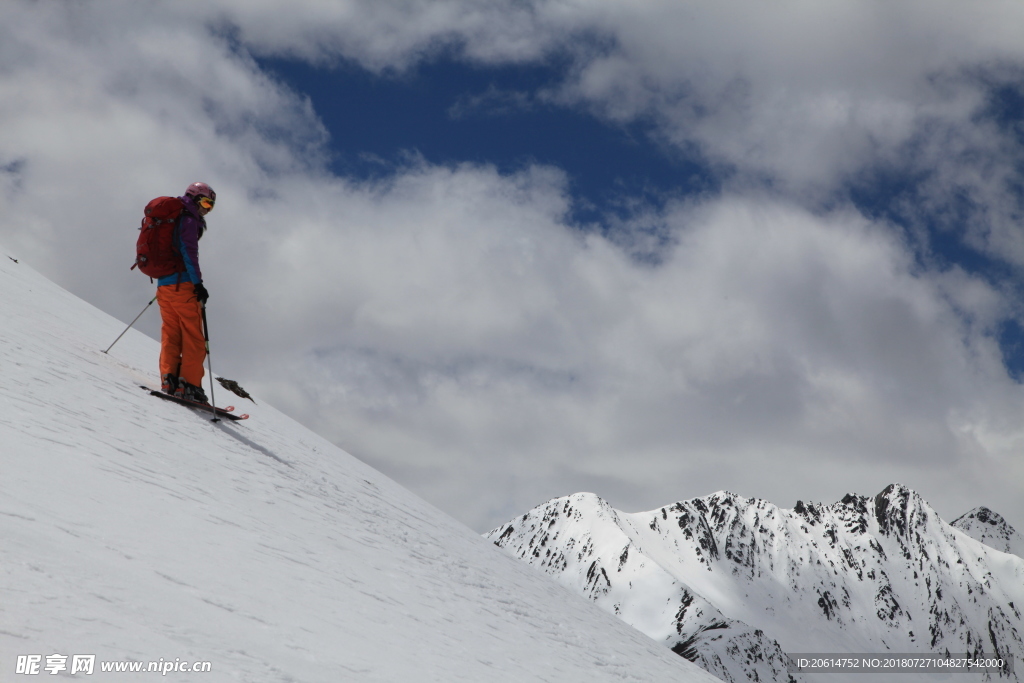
[(450, 325)]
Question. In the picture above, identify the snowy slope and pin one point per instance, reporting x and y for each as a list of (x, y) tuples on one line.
[(986, 526), (136, 529), (731, 582)]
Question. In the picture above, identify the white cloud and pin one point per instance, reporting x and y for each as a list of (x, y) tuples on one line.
[(804, 96), (745, 79), (448, 325), (386, 36), (451, 322)]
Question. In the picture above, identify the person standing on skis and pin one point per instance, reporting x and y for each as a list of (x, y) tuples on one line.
[(181, 297)]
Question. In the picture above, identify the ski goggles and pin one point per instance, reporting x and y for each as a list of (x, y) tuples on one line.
[(205, 202)]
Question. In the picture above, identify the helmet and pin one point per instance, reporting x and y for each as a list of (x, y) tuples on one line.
[(200, 190)]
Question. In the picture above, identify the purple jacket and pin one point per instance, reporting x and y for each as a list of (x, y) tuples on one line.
[(186, 239)]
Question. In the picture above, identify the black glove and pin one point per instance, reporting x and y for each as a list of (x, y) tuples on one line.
[(201, 294)]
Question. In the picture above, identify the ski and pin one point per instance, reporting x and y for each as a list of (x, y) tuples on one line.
[(221, 412)]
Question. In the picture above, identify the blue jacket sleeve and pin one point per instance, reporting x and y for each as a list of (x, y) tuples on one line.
[(188, 246)]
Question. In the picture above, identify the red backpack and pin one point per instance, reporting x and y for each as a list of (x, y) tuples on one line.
[(155, 252)]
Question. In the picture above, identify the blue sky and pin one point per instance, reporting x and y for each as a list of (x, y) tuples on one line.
[(451, 112), (508, 251)]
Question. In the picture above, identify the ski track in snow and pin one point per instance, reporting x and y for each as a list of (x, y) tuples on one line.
[(137, 529)]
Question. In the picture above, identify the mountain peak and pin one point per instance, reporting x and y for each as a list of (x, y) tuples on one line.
[(990, 528), (731, 583), (899, 509)]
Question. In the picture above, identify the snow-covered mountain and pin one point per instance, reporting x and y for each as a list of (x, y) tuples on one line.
[(733, 583), (986, 526), (137, 530)]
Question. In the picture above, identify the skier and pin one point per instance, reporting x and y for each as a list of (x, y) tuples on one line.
[(181, 297)]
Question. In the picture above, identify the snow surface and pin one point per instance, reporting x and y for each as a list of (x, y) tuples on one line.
[(137, 529)]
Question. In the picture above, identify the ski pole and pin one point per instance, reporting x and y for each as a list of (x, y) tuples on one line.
[(130, 324), (209, 363)]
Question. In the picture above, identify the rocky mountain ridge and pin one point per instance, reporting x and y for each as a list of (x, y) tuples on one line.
[(989, 528), (734, 583)]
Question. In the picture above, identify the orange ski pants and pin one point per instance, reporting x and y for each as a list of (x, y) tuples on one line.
[(182, 344)]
